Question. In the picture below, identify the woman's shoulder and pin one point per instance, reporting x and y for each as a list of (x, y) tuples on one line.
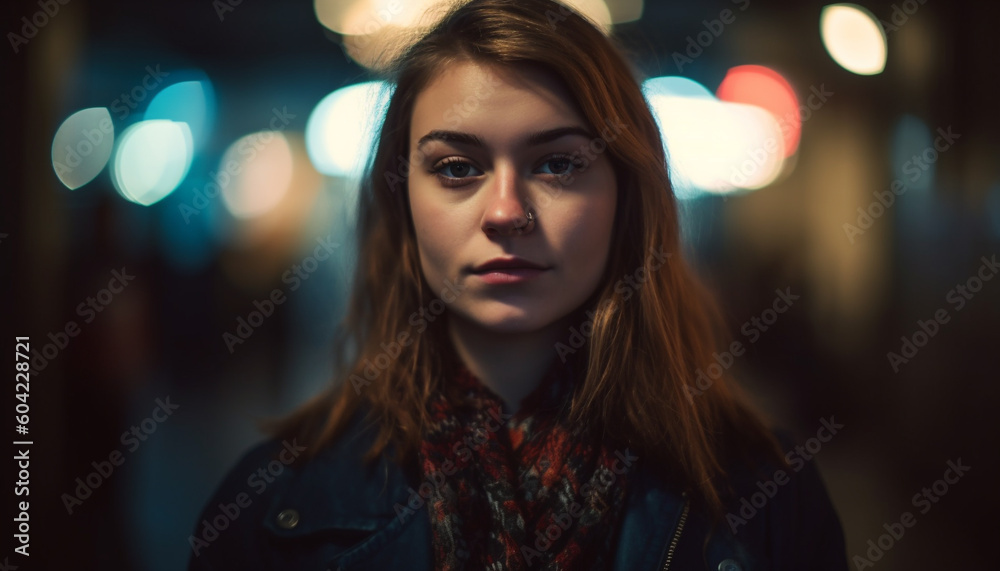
[(282, 492), (776, 515), (227, 533), (786, 506)]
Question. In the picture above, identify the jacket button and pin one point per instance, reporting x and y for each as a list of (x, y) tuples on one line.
[(729, 565), (288, 519)]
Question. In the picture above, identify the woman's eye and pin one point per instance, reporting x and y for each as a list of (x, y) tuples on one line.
[(457, 169), (559, 165)]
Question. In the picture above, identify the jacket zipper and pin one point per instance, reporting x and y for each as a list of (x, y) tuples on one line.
[(677, 535)]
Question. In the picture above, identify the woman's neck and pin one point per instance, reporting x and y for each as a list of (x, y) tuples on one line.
[(510, 364)]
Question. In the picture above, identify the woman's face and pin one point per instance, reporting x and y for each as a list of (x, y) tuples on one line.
[(487, 143)]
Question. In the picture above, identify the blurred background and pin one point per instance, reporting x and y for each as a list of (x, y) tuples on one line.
[(177, 241)]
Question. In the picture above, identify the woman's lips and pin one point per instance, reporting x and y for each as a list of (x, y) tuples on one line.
[(508, 275), (508, 270)]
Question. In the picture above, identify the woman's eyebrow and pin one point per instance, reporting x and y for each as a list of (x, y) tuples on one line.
[(542, 137), (534, 139), (455, 137)]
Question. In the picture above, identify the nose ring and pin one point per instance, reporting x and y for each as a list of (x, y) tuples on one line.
[(530, 222)]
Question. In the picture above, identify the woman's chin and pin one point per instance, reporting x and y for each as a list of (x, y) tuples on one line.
[(509, 319)]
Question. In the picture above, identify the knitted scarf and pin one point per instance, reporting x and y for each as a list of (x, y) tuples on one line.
[(522, 491)]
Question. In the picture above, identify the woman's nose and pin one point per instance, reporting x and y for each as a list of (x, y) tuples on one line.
[(506, 204)]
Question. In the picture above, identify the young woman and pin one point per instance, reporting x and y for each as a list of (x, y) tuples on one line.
[(518, 368)]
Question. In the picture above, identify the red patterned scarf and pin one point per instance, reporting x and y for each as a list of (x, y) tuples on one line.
[(522, 491)]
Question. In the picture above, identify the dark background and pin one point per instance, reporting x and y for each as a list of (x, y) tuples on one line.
[(826, 356)]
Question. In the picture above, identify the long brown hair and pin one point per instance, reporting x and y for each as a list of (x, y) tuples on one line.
[(646, 344)]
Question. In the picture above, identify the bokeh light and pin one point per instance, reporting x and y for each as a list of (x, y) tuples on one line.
[(82, 146), (265, 236), (714, 146), (596, 10), (913, 154), (192, 102), (625, 10), (365, 17), (766, 88), (341, 129), (152, 159), (377, 31), (854, 38), (259, 171), (675, 86)]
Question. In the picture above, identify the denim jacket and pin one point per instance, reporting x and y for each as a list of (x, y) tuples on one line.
[(275, 511)]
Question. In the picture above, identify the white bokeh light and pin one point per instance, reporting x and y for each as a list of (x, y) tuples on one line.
[(152, 159), (341, 129), (82, 146), (854, 38)]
